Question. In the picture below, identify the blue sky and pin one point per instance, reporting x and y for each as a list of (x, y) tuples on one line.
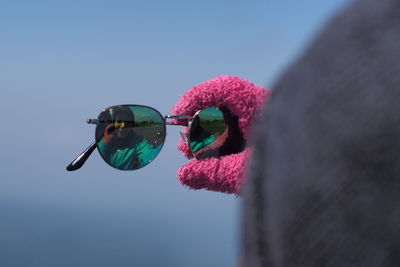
[(63, 61)]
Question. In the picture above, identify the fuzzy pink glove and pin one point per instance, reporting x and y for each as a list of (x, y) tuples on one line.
[(243, 99)]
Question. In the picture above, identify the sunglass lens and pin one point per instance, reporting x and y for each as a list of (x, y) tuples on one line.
[(130, 137), (207, 131)]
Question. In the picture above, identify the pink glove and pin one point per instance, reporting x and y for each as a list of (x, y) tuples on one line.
[(243, 99)]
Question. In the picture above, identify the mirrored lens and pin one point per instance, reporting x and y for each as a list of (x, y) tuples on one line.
[(208, 131), (130, 137)]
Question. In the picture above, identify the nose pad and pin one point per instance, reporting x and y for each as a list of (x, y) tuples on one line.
[(184, 137)]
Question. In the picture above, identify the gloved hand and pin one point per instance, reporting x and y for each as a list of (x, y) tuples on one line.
[(244, 100)]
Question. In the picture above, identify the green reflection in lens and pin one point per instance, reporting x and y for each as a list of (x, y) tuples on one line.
[(207, 130), (130, 137)]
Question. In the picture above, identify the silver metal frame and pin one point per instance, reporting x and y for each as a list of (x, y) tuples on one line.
[(166, 117), (178, 120)]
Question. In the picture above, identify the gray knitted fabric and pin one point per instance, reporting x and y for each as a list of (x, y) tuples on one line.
[(324, 180)]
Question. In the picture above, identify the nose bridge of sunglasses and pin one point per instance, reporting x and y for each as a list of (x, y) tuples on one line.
[(178, 120)]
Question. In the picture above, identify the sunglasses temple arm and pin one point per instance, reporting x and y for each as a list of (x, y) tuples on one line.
[(81, 159)]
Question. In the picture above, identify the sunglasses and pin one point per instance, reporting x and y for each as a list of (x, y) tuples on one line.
[(129, 137)]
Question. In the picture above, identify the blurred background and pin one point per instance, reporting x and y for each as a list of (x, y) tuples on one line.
[(61, 62)]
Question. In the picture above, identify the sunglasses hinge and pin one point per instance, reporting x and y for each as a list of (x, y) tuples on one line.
[(92, 121)]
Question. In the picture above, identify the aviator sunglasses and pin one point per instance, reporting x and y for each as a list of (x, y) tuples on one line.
[(129, 137)]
